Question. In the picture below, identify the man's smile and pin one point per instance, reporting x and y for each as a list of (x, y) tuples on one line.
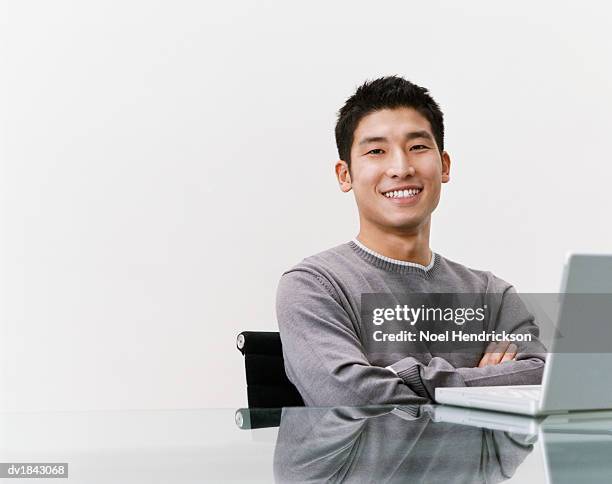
[(405, 195)]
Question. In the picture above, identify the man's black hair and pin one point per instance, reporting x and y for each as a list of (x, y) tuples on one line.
[(385, 93)]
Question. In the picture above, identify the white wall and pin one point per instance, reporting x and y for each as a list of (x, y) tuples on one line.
[(163, 162)]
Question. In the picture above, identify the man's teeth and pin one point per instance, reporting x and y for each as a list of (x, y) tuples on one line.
[(402, 193)]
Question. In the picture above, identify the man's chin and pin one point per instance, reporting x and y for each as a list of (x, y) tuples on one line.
[(397, 223), (407, 226)]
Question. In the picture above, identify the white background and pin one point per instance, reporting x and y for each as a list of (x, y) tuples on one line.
[(162, 163)]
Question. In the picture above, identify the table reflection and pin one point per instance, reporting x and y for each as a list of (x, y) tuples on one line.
[(391, 444)]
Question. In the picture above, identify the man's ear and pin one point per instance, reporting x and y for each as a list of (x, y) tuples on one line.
[(343, 175), (446, 163)]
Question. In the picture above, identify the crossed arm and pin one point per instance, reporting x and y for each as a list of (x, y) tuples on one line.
[(325, 360)]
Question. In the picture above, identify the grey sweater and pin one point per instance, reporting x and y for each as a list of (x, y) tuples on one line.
[(322, 332)]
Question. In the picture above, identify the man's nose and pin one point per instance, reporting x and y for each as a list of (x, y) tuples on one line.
[(400, 166)]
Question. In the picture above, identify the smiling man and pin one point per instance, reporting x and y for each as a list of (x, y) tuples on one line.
[(390, 138)]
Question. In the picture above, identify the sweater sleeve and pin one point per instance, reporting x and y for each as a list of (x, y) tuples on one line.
[(323, 355), (526, 369)]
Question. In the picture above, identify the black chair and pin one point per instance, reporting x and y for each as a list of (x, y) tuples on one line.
[(267, 382)]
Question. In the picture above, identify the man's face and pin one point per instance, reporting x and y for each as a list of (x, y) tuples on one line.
[(396, 170)]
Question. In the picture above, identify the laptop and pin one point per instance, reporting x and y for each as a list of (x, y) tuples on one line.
[(572, 381)]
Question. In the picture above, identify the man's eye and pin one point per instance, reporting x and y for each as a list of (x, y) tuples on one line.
[(376, 151), (419, 147)]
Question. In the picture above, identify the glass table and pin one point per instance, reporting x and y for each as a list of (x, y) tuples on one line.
[(429, 443)]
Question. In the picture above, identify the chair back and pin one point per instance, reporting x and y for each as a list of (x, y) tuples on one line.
[(267, 382)]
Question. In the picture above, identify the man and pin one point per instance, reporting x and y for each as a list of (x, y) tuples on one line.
[(390, 138)]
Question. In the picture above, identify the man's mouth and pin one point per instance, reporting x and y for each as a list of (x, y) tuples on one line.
[(405, 193)]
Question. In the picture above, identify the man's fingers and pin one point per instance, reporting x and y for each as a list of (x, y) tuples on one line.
[(510, 353), (484, 361), (490, 347), (498, 352)]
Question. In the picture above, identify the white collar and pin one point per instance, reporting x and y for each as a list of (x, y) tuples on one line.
[(396, 261)]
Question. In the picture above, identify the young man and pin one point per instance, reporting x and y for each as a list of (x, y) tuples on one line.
[(390, 138)]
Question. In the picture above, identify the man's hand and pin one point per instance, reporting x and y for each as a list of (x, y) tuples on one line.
[(497, 353)]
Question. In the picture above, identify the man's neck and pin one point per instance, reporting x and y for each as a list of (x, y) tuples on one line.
[(405, 246)]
